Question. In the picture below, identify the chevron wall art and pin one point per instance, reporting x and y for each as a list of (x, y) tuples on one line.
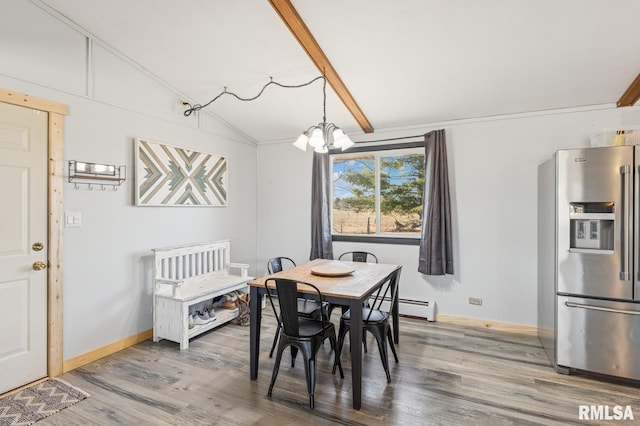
[(172, 176)]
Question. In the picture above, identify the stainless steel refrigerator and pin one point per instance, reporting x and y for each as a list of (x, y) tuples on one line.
[(588, 260)]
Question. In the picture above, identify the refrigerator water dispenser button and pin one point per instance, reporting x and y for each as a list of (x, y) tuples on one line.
[(593, 230), (580, 234)]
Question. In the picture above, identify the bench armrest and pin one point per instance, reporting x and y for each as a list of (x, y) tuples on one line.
[(171, 281), (241, 269)]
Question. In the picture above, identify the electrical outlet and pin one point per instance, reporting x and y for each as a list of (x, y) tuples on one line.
[(475, 301)]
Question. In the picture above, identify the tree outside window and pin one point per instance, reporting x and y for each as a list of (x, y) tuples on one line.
[(378, 193)]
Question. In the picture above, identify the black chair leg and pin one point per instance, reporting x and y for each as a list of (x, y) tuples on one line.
[(310, 371), (341, 333), (294, 352), (275, 341), (276, 368), (336, 360), (393, 347), (382, 347)]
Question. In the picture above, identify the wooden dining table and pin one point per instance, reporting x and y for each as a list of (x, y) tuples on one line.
[(348, 289)]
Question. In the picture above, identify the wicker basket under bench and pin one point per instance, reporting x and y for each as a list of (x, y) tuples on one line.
[(190, 275)]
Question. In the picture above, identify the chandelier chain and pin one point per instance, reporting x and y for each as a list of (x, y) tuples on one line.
[(198, 107), (324, 100)]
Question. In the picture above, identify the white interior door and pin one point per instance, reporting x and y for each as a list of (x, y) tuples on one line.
[(23, 243)]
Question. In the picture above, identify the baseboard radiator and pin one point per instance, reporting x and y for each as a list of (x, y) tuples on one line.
[(418, 308)]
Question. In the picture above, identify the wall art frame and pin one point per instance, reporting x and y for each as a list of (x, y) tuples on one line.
[(169, 175)]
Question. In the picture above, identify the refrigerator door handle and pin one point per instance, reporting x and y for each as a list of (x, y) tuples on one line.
[(600, 308), (625, 228)]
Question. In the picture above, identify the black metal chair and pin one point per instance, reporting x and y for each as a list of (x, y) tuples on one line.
[(276, 264), (307, 308), (360, 256), (376, 321), (356, 256), (301, 334)]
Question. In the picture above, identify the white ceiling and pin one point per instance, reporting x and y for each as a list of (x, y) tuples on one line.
[(406, 62)]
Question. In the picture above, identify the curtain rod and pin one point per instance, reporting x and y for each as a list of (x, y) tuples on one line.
[(391, 139)]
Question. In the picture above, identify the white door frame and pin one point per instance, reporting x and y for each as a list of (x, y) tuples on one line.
[(56, 113)]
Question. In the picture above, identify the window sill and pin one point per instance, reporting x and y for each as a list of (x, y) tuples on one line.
[(377, 239)]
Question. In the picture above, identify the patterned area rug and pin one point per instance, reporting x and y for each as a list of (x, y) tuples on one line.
[(38, 401)]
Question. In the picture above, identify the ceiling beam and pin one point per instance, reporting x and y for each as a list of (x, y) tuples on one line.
[(300, 31), (631, 95)]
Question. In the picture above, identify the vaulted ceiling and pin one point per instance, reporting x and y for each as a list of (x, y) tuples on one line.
[(406, 63)]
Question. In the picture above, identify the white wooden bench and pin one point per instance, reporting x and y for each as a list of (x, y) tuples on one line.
[(187, 277)]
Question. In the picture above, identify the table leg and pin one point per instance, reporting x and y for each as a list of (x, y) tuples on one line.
[(396, 306), (356, 351), (255, 318)]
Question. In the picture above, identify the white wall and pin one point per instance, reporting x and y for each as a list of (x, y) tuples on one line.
[(493, 178), (107, 283)]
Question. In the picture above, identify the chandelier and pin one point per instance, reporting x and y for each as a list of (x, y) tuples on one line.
[(323, 136)]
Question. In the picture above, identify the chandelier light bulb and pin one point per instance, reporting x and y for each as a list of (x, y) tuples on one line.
[(317, 138), (301, 142), (338, 137), (346, 142)]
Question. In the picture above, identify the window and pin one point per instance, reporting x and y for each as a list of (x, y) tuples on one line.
[(377, 193)]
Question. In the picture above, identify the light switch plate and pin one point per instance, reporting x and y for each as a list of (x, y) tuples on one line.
[(72, 219)]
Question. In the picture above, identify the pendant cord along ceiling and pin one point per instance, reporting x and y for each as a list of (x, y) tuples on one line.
[(321, 137), (198, 107)]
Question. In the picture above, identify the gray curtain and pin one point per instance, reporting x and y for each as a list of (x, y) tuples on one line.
[(321, 244), (436, 250)]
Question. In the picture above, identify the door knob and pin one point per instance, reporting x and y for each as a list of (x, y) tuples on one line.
[(37, 246), (39, 266)]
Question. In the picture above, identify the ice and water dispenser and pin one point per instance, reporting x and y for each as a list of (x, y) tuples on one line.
[(592, 227)]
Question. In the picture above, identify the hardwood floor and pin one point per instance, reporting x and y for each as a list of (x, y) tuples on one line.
[(448, 375)]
